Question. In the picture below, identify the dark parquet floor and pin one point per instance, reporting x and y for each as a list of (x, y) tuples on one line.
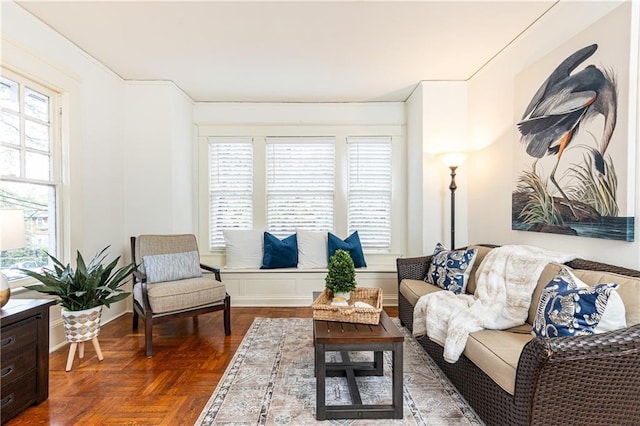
[(126, 388)]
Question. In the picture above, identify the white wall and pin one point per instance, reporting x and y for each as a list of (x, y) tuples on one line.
[(437, 123), (159, 159), (491, 115)]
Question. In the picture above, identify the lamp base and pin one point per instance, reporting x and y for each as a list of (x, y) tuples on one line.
[(5, 290)]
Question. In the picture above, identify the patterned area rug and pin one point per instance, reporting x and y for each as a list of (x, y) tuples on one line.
[(270, 381)]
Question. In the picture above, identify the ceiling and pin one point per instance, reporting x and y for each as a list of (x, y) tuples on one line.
[(265, 51)]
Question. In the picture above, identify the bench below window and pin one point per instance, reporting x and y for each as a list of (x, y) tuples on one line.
[(294, 287)]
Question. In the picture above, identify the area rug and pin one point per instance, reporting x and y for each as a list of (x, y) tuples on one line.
[(270, 381)]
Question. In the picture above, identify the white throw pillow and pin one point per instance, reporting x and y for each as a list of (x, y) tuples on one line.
[(614, 315), (312, 249), (244, 247)]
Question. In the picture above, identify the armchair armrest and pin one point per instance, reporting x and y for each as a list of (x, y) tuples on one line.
[(413, 268), (216, 271), (139, 276), (606, 364)]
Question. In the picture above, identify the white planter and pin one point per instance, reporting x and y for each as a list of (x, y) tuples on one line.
[(341, 298), (80, 326)]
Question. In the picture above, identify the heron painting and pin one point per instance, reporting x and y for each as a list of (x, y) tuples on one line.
[(566, 128)]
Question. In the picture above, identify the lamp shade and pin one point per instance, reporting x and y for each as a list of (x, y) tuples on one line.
[(11, 229), (453, 159)]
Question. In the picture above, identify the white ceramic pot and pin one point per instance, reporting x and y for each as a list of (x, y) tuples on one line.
[(80, 326)]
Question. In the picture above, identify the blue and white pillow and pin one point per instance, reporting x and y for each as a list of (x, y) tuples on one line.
[(450, 269), (566, 309)]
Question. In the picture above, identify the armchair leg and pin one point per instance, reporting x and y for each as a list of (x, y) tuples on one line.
[(148, 336), (135, 318), (227, 315)]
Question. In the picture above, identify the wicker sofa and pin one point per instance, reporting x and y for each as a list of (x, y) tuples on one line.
[(511, 378)]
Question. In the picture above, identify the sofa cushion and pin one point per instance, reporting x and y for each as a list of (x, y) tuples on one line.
[(450, 269), (496, 353), (480, 254), (412, 290), (628, 289), (177, 295)]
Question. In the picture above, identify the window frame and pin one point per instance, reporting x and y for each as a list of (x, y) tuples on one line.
[(340, 132), (55, 180)]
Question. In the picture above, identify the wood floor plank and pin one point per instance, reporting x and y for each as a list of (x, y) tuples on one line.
[(171, 388)]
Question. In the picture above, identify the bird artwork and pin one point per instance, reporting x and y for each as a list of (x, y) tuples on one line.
[(563, 104)]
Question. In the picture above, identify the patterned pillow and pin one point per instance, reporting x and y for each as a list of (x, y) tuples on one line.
[(450, 269), (565, 309), (172, 267)]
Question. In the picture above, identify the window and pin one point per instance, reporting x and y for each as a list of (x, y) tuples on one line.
[(230, 186), (29, 169), (300, 184), (369, 190)]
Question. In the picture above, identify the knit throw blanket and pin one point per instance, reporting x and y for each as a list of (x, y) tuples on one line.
[(505, 281)]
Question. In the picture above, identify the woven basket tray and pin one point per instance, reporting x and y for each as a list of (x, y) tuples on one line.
[(322, 309)]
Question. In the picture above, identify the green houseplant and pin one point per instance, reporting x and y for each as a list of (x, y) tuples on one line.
[(82, 293), (341, 278), (86, 287)]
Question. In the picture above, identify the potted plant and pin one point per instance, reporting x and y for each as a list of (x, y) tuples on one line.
[(341, 278), (82, 292)]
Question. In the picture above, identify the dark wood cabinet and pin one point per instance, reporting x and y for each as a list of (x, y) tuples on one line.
[(24, 355)]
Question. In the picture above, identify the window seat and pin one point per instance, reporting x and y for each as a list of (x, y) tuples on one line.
[(294, 286)]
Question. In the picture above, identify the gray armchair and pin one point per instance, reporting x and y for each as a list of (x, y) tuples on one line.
[(169, 283)]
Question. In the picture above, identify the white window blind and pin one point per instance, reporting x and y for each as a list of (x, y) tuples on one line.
[(300, 184), (369, 190), (230, 186)]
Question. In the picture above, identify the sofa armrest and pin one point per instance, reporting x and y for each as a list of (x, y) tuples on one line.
[(565, 373), (413, 268)]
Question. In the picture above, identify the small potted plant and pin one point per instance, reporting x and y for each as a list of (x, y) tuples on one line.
[(82, 293), (341, 278)]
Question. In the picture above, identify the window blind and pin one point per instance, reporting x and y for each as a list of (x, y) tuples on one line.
[(369, 190), (230, 186), (300, 184)]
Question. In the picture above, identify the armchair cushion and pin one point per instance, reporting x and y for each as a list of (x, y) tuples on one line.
[(172, 267), (171, 296)]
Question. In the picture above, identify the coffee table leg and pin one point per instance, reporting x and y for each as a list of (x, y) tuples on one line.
[(398, 374), (378, 363), (321, 373)]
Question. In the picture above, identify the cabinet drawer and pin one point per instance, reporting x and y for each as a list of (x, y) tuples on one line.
[(16, 363), (16, 337), (18, 395)]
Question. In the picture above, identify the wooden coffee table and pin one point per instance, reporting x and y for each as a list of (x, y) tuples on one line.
[(331, 336)]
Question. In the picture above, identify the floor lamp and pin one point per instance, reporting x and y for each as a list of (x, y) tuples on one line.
[(453, 161), (11, 238)]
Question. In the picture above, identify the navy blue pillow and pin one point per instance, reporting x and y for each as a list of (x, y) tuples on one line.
[(279, 254), (351, 244)]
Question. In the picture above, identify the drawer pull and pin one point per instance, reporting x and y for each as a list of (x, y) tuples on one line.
[(6, 401), (6, 371), (8, 341)]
